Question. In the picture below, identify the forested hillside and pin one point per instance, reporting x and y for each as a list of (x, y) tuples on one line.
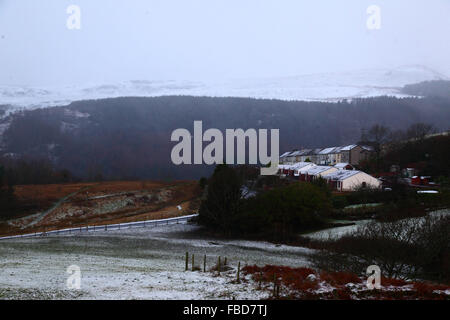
[(129, 138)]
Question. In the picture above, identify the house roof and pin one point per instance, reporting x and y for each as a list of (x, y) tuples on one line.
[(295, 153), (317, 170), (327, 150), (305, 152), (285, 154), (342, 165), (316, 151), (300, 165), (349, 147), (368, 148), (341, 175)]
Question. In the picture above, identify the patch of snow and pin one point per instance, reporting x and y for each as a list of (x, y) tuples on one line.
[(135, 264), (329, 87)]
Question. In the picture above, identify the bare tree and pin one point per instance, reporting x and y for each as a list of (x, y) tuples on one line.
[(420, 130)]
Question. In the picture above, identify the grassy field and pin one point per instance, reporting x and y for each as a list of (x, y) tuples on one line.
[(136, 264)]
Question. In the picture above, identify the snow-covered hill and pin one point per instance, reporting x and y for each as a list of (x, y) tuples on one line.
[(313, 87)]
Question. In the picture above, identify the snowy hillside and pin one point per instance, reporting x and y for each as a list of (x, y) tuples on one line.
[(314, 87)]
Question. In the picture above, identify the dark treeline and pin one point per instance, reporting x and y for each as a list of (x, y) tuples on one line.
[(415, 147), (437, 88), (25, 171), (32, 171), (129, 138)]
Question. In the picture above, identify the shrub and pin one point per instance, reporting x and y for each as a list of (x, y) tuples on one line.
[(339, 202), (405, 249), (280, 213)]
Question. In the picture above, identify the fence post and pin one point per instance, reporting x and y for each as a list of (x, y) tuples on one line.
[(187, 259), (218, 265), (204, 263), (238, 271), (274, 284), (193, 263)]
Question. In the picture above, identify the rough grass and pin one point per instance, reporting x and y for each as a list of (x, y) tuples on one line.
[(84, 209), (306, 283)]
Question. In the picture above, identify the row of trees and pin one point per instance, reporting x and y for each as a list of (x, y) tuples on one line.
[(403, 147), (25, 171), (379, 135), (7, 199), (33, 171)]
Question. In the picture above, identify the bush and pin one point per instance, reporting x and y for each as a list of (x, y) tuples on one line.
[(339, 202), (281, 213), (408, 248)]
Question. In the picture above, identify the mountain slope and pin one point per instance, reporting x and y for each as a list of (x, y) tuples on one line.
[(313, 87), (129, 138)]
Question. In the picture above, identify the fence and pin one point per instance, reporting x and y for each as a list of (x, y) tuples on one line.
[(108, 227)]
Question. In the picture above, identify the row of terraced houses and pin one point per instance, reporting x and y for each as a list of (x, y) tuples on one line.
[(352, 154), (335, 164)]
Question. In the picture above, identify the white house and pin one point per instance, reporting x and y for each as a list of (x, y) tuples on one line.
[(292, 169), (302, 166), (349, 180)]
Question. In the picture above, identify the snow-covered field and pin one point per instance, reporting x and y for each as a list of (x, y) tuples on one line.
[(309, 87), (135, 264)]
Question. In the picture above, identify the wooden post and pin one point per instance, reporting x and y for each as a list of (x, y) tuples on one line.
[(260, 280), (238, 271), (274, 284), (218, 265), (225, 262), (187, 259), (193, 262), (204, 263)]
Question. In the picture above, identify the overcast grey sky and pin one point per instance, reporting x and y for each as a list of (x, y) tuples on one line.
[(214, 39)]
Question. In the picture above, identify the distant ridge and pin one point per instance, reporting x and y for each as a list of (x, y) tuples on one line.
[(328, 87)]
